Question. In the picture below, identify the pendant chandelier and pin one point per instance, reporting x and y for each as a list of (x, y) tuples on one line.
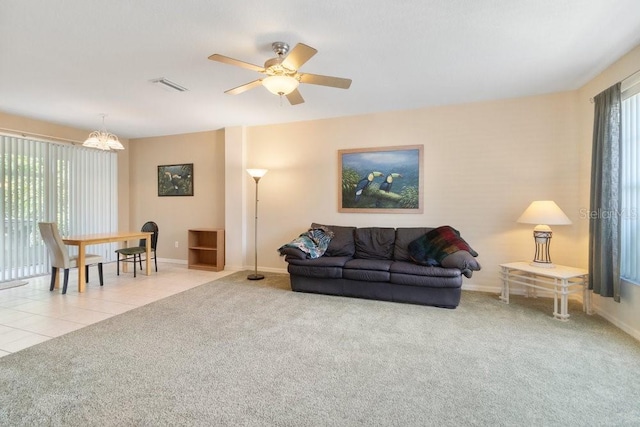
[(103, 140)]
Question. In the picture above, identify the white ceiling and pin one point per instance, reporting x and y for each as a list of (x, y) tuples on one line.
[(68, 61)]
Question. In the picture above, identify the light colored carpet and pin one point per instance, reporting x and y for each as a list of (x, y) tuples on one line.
[(13, 284), (240, 352)]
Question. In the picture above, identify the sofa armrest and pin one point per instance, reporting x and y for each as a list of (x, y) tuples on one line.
[(292, 253), (463, 261)]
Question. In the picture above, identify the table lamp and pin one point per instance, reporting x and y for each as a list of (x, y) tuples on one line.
[(543, 213)]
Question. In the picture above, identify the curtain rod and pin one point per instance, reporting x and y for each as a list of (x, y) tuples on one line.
[(40, 136), (634, 74)]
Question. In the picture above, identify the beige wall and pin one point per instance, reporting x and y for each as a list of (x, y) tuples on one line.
[(175, 215), (484, 163)]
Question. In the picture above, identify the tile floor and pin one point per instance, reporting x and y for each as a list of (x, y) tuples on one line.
[(32, 314)]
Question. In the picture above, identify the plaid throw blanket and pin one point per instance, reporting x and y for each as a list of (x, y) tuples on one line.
[(314, 242), (435, 245)]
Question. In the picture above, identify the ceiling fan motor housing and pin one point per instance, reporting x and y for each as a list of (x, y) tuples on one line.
[(274, 67), (280, 48)]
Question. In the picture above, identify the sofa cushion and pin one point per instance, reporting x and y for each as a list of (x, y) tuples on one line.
[(314, 271), (368, 264), (366, 275), (426, 281), (375, 243), (410, 274), (367, 270), (323, 267), (404, 236), (402, 267), (342, 243)]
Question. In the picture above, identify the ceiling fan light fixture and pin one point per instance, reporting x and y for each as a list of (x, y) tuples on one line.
[(280, 85)]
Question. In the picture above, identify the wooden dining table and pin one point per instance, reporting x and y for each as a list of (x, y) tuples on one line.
[(82, 241)]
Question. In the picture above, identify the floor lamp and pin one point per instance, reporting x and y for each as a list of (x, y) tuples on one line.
[(256, 174)]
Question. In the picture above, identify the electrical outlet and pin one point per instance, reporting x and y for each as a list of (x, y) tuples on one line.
[(176, 243)]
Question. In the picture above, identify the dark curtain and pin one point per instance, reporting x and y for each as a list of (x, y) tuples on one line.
[(604, 223)]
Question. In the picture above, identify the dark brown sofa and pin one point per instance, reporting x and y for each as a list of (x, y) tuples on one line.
[(375, 263)]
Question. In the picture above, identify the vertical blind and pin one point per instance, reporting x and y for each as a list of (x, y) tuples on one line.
[(630, 189), (45, 181)]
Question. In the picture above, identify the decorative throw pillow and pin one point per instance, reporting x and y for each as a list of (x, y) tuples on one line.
[(438, 244)]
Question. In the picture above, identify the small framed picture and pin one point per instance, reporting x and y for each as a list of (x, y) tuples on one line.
[(380, 180), (175, 180)]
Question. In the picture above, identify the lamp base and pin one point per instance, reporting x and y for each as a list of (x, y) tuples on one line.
[(255, 277), (542, 264), (542, 237)]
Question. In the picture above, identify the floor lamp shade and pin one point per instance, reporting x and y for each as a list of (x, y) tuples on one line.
[(543, 213), (256, 174)]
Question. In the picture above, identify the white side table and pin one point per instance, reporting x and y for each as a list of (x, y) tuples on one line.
[(562, 281)]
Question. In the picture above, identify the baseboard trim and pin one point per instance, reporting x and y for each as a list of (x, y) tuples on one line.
[(267, 269), (617, 322), (480, 288)]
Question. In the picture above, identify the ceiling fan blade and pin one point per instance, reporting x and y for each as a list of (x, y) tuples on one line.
[(245, 87), (316, 79), (237, 62), (300, 54), (295, 98)]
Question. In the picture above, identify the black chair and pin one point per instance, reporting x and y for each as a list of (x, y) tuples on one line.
[(134, 253)]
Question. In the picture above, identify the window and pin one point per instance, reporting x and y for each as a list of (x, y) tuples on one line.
[(44, 181), (630, 182)]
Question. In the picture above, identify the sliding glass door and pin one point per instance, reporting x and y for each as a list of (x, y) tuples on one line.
[(45, 181)]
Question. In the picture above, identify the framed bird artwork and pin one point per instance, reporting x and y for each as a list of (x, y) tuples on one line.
[(175, 180), (381, 179)]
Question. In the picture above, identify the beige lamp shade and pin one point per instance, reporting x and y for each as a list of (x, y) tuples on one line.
[(544, 212)]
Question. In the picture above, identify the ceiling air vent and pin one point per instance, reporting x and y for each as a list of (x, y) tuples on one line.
[(168, 84)]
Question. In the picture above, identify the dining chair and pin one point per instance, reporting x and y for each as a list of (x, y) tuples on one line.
[(134, 253), (59, 256)]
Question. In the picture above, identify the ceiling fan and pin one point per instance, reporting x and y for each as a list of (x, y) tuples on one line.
[(282, 73)]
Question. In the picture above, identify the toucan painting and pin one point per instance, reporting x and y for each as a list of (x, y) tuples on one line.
[(386, 185), (365, 182), (380, 179)]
